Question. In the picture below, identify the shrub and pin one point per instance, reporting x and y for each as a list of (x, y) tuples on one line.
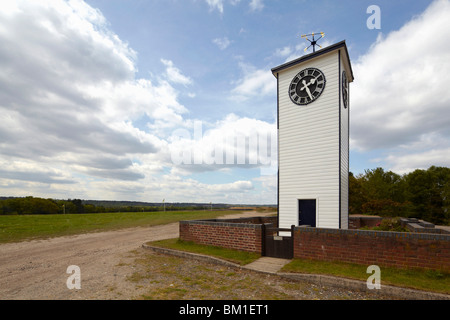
[(390, 224)]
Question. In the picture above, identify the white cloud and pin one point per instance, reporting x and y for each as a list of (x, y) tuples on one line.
[(283, 52), (70, 105), (268, 190), (215, 5), (69, 98), (403, 163), (254, 83), (428, 150), (256, 5), (400, 94), (174, 74), (174, 188), (25, 170), (222, 43)]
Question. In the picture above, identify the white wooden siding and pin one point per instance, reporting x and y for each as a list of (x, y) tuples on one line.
[(344, 153), (309, 147)]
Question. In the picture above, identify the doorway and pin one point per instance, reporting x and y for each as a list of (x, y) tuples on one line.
[(307, 212)]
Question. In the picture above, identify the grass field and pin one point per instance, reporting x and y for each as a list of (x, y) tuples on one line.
[(15, 228)]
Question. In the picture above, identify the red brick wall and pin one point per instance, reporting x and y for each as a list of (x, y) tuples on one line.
[(399, 249), (240, 236)]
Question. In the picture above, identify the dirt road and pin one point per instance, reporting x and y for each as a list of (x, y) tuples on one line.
[(38, 269)]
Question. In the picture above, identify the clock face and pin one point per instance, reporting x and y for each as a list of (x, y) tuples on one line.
[(344, 89), (307, 86)]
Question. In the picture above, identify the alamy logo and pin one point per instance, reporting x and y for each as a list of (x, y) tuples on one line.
[(374, 21), (74, 281), (373, 282), (235, 148)]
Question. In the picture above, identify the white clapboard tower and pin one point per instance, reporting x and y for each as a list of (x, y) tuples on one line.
[(313, 138)]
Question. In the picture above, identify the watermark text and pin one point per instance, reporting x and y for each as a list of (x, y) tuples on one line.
[(374, 20), (373, 282), (74, 280)]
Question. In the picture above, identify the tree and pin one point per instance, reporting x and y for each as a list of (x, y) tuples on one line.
[(29, 205), (387, 208), (89, 208), (356, 196), (379, 193), (378, 184), (78, 205), (428, 192)]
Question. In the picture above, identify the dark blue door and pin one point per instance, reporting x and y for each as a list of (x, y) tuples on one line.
[(307, 212)]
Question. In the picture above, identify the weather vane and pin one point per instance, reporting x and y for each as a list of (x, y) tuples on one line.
[(313, 41)]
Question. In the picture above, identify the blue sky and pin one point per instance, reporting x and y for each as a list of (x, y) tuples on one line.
[(101, 99)]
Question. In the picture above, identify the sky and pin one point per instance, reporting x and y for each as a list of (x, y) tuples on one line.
[(175, 99)]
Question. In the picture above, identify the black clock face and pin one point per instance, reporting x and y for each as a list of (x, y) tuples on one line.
[(307, 86), (344, 89)]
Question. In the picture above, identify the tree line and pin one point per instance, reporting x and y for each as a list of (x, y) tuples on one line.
[(422, 194), (33, 205)]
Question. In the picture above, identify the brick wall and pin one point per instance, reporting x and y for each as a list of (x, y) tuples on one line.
[(382, 248), (398, 249), (240, 236)]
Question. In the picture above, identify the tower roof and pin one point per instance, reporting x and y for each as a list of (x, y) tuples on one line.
[(316, 54)]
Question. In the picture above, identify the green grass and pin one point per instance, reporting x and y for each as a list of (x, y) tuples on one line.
[(14, 228), (236, 256), (429, 280)]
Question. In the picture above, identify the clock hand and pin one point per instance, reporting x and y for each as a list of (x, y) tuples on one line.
[(305, 86)]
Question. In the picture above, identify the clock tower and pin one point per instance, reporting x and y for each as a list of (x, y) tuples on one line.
[(313, 138)]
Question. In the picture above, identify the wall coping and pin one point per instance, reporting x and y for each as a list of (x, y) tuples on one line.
[(216, 222), (371, 233), (365, 217), (377, 233)]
